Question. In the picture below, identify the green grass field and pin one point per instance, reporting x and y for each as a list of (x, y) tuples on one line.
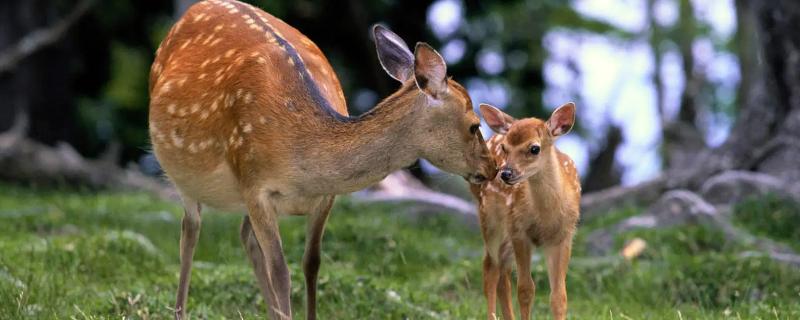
[(111, 255)]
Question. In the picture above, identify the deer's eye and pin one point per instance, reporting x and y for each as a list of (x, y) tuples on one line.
[(535, 149), (474, 128)]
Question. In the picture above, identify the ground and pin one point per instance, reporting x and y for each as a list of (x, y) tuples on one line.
[(89, 255)]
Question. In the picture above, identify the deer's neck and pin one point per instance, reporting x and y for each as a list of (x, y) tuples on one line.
[(545, 186), (346, 156)]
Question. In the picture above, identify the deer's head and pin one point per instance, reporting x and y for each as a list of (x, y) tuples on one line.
[(528, 143), (449, 135)]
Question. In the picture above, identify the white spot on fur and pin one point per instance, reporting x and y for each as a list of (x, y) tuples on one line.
[(166, 87), (177, 141), (247, 128), (171, 108)]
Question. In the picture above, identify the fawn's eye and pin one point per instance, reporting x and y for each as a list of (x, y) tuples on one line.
[(535, 149), (474, 128)]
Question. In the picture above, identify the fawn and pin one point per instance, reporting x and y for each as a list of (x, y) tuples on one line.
[(246, 113), (535, 202)]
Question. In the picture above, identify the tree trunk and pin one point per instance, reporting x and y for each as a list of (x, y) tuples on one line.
[(766, 135)]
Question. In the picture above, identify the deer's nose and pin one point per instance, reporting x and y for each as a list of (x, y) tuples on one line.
[(506, 174)]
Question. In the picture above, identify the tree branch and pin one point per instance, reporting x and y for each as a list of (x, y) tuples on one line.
[(41, 38)]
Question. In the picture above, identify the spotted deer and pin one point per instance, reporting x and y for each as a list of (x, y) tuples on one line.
[(246, 114), (534, 202)]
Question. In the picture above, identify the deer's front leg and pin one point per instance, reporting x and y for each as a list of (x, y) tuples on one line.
[(190, 232), (491, 275), (264, 220), (253, 250), (526, 289), (504, 293), (311, 258), (557, 262)]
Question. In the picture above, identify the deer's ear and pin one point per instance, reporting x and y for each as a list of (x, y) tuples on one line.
[(496, 119), (393, 53), (430, 71), (562, 120)]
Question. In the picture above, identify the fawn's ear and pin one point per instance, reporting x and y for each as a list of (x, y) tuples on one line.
[(496, 119), (393, 53), (562, 120), (430, 71)]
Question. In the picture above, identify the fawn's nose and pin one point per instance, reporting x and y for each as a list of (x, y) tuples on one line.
[(506, 174)]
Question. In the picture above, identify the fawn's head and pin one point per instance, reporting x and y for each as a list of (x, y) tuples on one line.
[(449, 128), (528, 143)]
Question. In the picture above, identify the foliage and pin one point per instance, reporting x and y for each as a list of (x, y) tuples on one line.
[(771, 216), (68, 254)]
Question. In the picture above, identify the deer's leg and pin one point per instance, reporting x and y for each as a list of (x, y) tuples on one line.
[(253, 250), (311, 258), (190, 232), (557, 262), (491, 274), (504, 286), (264, 220), (526, 289)]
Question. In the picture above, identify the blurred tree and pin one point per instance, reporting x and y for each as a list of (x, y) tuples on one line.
[(764, 140)]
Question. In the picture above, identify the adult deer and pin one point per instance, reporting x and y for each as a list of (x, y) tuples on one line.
[(535, 202), (247, 114)]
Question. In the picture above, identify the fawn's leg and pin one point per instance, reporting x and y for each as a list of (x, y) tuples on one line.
[(254, 253), (504, 293), (557, 263), (315, 226), (190, 232), (491, 274), (264, 220), (526, 289)]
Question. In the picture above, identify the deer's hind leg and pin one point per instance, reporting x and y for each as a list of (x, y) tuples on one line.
[(190, 232), (557, 262)]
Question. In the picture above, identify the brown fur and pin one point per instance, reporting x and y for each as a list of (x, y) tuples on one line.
[(541, 210), (239, 123)]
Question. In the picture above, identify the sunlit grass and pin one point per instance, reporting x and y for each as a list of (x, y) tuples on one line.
[(107, 255)]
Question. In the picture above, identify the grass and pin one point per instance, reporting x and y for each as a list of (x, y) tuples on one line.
[(770, 216), (111, 255)]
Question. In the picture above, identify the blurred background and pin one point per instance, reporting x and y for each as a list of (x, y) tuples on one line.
[(635, 68), (688, 119)]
